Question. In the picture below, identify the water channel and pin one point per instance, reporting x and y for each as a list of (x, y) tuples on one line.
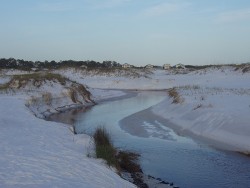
[(164, 154)]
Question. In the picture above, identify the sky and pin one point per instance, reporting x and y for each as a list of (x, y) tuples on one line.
[(137, 32)]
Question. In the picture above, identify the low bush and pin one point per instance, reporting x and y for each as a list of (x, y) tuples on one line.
[(128, 161), (175, 95), (104, 147), (122, 160)]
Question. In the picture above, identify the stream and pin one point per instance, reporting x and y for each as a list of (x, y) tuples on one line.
[(164, 153)]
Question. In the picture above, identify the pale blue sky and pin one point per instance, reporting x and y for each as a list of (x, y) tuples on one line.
[(127, 31)]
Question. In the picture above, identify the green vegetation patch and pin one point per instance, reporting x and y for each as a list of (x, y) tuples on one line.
[(104, 147), (122, 160), (128, 161)]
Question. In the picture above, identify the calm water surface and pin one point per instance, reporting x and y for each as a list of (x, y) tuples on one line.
[(164, 154)]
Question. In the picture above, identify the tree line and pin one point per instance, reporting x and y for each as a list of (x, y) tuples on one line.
[(12, 63)]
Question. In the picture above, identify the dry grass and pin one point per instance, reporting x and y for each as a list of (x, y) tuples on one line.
[(78, 90), (71, 94), (32, 101), (47, 98), (117, 72), (37, 79), (246, 69), (175, 95), (83, 91), (243, 67)]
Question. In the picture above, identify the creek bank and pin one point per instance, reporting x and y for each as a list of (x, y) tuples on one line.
[(138, 177)]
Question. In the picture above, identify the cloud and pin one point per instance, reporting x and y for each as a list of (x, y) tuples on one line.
[(164, 8), (234, 16)]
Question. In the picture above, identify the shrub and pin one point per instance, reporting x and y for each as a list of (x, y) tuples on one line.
[(175, 95), (128, 161), (122, 160), (104, 147)]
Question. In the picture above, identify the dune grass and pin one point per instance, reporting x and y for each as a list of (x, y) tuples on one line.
[(36, 78), (104, 147), (173, 93), (40, 77), (121, 160)]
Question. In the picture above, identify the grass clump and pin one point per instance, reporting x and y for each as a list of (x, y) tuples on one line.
[(104, 147), (47, 97), (175, 95), (128, 161), (123, 161)]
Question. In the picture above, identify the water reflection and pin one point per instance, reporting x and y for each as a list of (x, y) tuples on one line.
[(69, 116)]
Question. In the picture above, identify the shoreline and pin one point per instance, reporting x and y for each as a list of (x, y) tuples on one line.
[(139, 131), (211, 142), (61, 118), (173, 127), (140, 179)]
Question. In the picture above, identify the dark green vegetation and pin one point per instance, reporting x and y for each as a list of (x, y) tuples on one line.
[(12, 63), (104, 147), (21, 64), (123, 161), (128, 161)]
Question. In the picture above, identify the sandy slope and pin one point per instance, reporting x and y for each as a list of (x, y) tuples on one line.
[(39, 153), (220, 117)]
